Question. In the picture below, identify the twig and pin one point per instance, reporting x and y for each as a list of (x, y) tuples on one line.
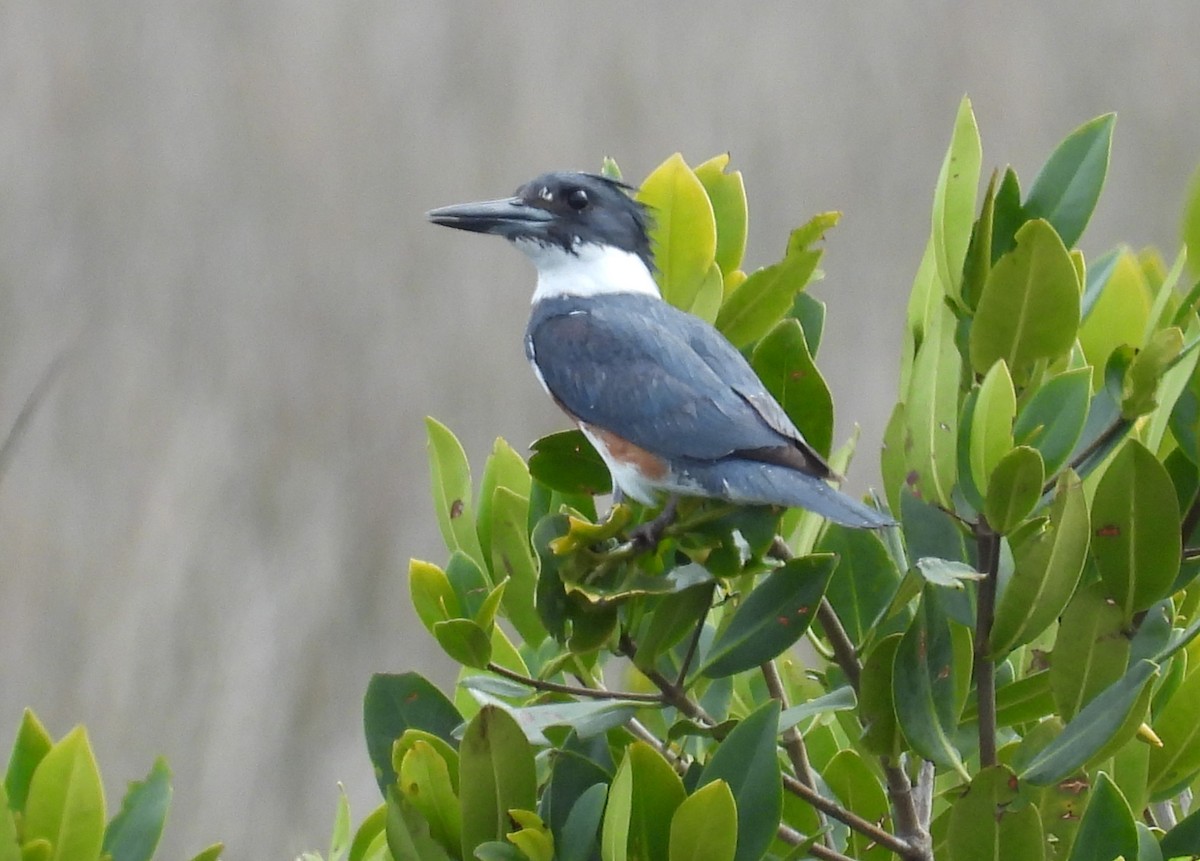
[(848, 817), (671, 694), (690, 655), (1106, 436), (909, 822), (574, 690), (793, 741), (985, 671)]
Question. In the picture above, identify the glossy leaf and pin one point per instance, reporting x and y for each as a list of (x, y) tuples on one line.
[(683, 231), (212, 853), (746, 760), (673, 618), (614, 834), (1016, 487), (1097, 724), (65, 805), (451, 478), (31, 744), (924, 671), (782, 362), (1184, 838), (10, 843), (759, 302), (877, 710), (838, 700), (464, 641), (394, 703), (709, 295), (496, 774), (1179, 756), (566, 462), (979, 251), (512, 559), (892, 456), (1067, 187), (406, 832), (1008, 215), (810, 311), (1119, 313), (992, 424), (987, 823), (1047, 563), (1053, 418), (727, 193), (1090, 651), (1030, 304), (588, 718), (657, 794), (432, 596), (1135, 529), (1107, 831), (1024, 701), (704, 827), (133, 834), (582, 826), (866, 578), (772, 617), (857, 787), (954, 201), (424, 779), (504, 468), (931, 442)]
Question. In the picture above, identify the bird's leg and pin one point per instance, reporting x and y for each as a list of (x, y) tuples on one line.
[(651, 532)]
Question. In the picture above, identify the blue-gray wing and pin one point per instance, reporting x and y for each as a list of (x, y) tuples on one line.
[(663, 380)]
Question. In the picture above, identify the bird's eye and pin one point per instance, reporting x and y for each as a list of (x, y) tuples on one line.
[(577, 199)]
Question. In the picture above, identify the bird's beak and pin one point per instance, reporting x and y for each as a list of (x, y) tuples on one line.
[(510, 217)]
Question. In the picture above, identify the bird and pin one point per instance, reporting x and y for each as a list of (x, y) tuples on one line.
[(670, 405)]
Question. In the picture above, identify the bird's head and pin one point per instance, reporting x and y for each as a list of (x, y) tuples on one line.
[(560, 212)]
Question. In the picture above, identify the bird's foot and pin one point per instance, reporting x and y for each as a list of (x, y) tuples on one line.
[(646, 536)]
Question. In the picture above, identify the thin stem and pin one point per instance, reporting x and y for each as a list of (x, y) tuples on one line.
[(847, 817), (574, 690), (1114, 430), (985, 671), (793, 741), (909, 822), (693, 645), (671, 694)]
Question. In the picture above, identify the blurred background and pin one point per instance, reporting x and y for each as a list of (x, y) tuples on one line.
[(211, 217)]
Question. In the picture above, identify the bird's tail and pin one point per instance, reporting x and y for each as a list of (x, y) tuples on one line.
[(756, 483)]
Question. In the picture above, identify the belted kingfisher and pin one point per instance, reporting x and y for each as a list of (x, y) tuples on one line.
[(670, 405)]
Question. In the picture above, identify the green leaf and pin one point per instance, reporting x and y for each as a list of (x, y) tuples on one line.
[(1091, 650), (931, 441), (496, 774), (924, 671), (464, 641), (657, 794), (979, 252), (394, 703), (614, 835), (1179, 756), (10, 843), (987, 822), (512, 558), (432, 595), (946, 572), (29, 747), (1016, 487), (406, 832), (709, 295), (772, 617), (840, 699), (1099, 723), (211, 853), (133, 834), (1024, 701), (1067, 187), (582, 825), (810, 311), (1119, 314), (727, 193), (1047, 563), (746, 760), (424, 780), (673, 617), (1008, 215), (65, 805), (504, 468), (451, 478), (857, 787), (704, 827), (533, 838), (992, 423), (588, 718), (1029, 309), (1107, 830), (759, 302), (781, 359), (866, 579), (892, 456), (449, 754), (877, 710), (1136, 527), (1139, 393), (1184, 838), (954, 201), (683, 230), (1053, 418), (566, 462)]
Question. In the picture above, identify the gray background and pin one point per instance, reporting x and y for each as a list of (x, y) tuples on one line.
[(215, 210)]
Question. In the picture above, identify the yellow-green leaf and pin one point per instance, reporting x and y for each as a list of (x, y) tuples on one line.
[(992, 424), (683, 231), (65, 806), (727, 193), (954, 201), (704, 827)]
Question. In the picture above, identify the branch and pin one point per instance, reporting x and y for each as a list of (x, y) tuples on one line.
[(671, 694), (988, 543), (686, 664), (909, 822), (574, 690), (793, 741), (847, 817)]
